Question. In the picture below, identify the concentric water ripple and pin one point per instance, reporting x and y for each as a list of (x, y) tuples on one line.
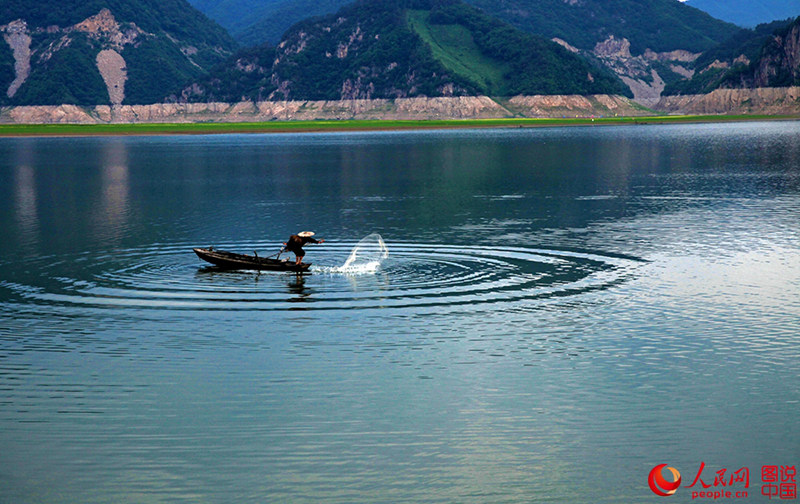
[(414, 275)]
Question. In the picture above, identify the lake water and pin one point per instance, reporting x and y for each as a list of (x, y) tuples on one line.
[(561, 310)]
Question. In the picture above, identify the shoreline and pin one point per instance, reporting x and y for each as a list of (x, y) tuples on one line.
[(356, 125)]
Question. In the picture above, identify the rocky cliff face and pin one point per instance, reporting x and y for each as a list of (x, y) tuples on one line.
[(17, 37), (780, 60), (765, 57), (641, 73)]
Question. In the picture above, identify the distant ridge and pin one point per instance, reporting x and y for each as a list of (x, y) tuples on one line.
[(749, 13), (255, 22)]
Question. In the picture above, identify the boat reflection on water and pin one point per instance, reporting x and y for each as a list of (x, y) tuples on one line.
[(254, 285), (298, 289)]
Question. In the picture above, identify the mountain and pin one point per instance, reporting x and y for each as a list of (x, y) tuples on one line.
[(403, 48), (648, 43), (749, 13), (767, 56), (92, 52)]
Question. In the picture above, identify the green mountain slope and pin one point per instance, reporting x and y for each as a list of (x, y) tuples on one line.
[(454, 46), (396, 48), (104, 51), (749, 13), (503, 61)]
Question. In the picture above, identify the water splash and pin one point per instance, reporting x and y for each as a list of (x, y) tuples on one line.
[(366, 256)]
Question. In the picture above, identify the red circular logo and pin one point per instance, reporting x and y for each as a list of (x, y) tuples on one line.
[(659, 485)]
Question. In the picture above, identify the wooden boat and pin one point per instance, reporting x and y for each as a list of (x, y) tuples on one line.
[(234, 261)]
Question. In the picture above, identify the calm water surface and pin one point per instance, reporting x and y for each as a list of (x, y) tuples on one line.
[(561, 310)]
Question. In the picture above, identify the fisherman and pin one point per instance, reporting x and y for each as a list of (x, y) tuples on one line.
[(296, 242)]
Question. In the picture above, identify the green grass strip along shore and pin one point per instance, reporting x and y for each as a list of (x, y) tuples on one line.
[(207, 128)]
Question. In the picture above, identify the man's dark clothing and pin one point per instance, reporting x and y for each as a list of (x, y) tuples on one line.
[(295, 244)]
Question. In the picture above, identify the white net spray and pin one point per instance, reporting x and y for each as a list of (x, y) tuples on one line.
[(366, 256)]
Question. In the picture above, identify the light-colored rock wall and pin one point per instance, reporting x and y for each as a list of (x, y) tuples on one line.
[(722, 101), (773, 101), (463, 107), (47, 114), (574, 106)]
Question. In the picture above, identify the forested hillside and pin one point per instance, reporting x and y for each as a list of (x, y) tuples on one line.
[(659, 25), (391, 48)]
